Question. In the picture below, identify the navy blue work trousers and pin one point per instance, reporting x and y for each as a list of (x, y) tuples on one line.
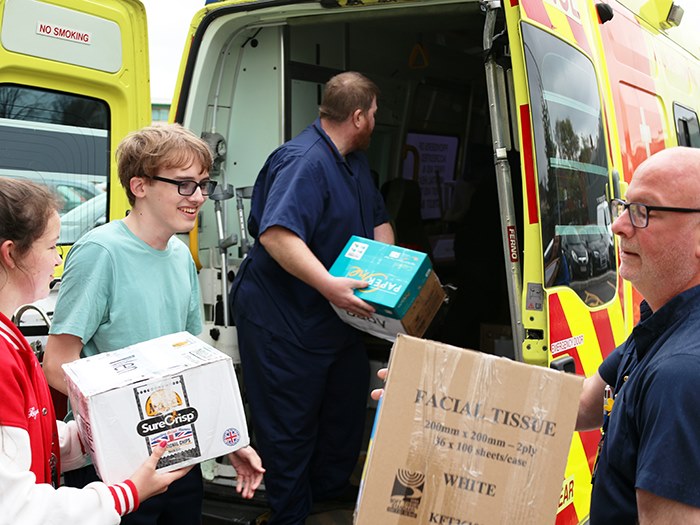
[(308, 409), (181, 504)]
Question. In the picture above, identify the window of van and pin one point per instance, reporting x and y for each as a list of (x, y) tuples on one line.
[(60, 140), (687, 127), (572, 167)]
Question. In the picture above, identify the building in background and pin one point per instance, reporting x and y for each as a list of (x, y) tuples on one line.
[(159, 111)]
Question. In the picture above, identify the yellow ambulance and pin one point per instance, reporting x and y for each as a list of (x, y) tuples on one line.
[(504, 128)]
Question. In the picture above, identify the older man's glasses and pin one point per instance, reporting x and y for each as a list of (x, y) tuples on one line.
[(187, 188), (639, 213)]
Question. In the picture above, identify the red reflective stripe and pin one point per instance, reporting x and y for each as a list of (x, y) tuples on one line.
[(535, 10), (603, 329), (514, 3), (528, 158), (580, 35), (567, 516), (590, 441), (558, 326)]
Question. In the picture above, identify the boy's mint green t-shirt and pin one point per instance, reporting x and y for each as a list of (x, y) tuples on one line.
[(117, 290)]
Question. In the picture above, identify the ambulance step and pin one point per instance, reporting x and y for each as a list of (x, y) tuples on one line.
[(227, 513)]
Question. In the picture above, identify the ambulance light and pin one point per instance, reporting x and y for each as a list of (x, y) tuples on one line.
[(605, 12), (675, 15)]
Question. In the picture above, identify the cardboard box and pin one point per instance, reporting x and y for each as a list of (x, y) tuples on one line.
[(403, 288), (174, 388), (466, 437)]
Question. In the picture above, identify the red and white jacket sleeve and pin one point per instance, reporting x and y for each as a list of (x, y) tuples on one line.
[(24, 501)]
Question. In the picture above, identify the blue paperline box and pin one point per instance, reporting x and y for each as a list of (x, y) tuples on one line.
[(395, 275)]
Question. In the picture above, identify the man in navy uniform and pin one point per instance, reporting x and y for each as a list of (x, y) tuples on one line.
[(305, 371), (649, 462)]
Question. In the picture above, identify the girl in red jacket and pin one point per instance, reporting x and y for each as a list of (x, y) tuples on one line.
[(32, 442)]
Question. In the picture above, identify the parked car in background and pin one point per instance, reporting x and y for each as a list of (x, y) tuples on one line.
[(598, 242), (586, 249), (73, 193), (83, 218), (73, 190), (575, 251)]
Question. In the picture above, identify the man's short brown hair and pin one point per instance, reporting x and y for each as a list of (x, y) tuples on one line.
[(145, 152), (346, 92)]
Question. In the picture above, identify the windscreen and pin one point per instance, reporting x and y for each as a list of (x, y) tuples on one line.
[(572, 167)]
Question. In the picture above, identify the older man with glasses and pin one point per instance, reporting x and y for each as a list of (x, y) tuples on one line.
[(639, 213), (645, 393)]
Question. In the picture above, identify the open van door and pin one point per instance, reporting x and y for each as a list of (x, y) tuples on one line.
[(73, 81), (570, 302)]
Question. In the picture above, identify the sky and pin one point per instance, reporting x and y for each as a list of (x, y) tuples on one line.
[(692, 11), (169, 20), (168, 23)]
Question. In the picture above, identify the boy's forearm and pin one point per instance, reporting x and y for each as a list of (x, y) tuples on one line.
[(60, 349)]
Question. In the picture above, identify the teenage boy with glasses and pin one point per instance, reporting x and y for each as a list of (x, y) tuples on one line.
[(132, 279)]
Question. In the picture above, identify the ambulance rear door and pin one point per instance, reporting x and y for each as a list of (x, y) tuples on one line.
[(570, 306), (73, 81)]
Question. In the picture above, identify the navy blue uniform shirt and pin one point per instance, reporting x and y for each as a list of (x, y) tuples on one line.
[(307, 187), (652, 437)]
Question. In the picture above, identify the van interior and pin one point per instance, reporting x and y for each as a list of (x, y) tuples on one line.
[(431, 151)]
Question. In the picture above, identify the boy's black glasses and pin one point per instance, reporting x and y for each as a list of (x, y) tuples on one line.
[(187, 188)]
